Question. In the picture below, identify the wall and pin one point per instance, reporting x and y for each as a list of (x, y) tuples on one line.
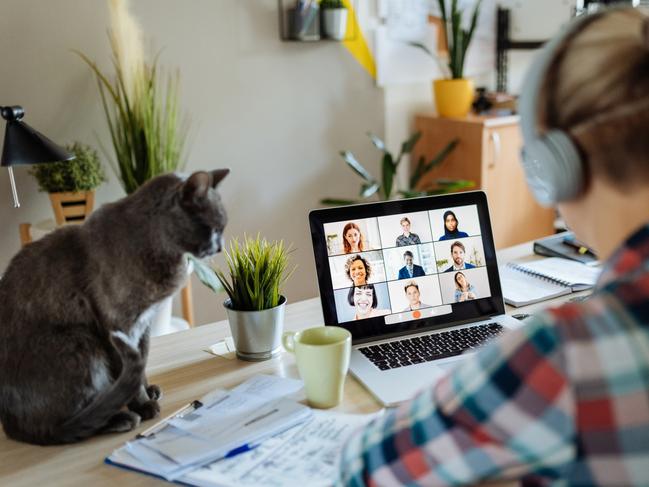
[(275, 112)]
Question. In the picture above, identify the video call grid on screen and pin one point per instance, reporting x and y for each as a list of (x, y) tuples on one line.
[(377, 251)]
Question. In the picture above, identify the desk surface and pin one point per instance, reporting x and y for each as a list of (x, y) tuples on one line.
[(180, 365)]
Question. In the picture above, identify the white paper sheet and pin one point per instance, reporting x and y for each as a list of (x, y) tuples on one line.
[(305, 455)]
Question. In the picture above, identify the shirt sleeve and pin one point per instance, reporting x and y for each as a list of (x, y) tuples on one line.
[(506, 413)]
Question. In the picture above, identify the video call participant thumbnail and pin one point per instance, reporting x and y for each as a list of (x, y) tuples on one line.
[(451, 230), (464, 290), (407, 237), (363, 299), (358, 270), (414, 297), (352, 239), (458, 255), (410, 269)]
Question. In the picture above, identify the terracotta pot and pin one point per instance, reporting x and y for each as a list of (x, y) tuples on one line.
[(72, 207), (453, 97)]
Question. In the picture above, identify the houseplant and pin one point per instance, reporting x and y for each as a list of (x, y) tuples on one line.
[(334, 18), (257, 270), (454, 96), (71, 184), (385, 188), (140, 105), (141, 109)]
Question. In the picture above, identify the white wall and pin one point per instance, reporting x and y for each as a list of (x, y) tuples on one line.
[(276, 113)]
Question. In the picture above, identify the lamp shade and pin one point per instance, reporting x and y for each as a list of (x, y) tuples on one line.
[(24, 145)]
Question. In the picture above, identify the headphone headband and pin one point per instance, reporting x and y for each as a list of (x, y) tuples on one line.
[(551, 161)]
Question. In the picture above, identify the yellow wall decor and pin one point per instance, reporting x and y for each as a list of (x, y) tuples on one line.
[(355, 42)]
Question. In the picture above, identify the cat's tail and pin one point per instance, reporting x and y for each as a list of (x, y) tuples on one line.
[(95, 416)]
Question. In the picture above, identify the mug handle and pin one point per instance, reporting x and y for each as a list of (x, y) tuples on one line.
[(288, 340)]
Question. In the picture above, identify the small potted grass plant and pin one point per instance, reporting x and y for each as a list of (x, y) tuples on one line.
[(71, 184), (257, 270)]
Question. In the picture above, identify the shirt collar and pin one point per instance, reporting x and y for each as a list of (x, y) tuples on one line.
[(630, 256)]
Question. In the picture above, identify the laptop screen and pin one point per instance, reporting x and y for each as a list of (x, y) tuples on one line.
[(390, 268)]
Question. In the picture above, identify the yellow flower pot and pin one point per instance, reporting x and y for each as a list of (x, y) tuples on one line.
[(453, 97)]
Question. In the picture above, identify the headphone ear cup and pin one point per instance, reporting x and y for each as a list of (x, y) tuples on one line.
[(569, 175), (553, 168)]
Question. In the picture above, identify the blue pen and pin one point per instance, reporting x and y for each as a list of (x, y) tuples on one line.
[(242, 449)]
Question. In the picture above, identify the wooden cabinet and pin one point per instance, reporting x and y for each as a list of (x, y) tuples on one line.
[(488, 153)]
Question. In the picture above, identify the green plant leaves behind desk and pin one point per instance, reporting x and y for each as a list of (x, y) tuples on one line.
[(371, 188)]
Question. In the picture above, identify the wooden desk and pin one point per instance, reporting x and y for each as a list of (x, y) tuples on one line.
[(179, 364)]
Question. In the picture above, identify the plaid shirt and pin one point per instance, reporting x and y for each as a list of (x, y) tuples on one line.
[(562, 400)]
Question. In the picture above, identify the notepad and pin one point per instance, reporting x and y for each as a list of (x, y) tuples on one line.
[(526, 283)]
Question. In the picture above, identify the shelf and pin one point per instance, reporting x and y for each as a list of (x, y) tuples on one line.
[(315, 31)]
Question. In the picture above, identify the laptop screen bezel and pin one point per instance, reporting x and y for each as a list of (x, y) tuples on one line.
[(372, 329)]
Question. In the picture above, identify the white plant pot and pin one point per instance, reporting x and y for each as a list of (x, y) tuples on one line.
[(162, 323), (335, 23)]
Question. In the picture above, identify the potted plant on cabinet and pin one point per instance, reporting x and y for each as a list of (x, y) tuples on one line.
[(454, 96), (71, 185), (334, 18), (257, 270)]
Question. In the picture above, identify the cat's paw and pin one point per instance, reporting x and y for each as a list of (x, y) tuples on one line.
[(147, 410), (122, 422), (154, 392)]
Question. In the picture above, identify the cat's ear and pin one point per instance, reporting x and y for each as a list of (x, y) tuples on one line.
[(194, 189), (218, 175)]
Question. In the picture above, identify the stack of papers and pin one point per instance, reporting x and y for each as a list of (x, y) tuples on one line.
[(227, 423), (252, 435)]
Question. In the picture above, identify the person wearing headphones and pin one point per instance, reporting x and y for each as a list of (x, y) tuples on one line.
[(565, 398)]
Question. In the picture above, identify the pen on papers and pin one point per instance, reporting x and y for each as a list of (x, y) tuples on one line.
[(192, 406), (242, 449)]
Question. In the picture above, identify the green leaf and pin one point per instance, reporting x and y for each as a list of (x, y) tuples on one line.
[(356, 166), (337, 202), (388, 175), (378, 143), (409, 144), (205, 274), (423, 169), (369, 189)]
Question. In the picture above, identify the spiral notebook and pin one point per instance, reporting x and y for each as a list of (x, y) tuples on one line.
[(526, 283)]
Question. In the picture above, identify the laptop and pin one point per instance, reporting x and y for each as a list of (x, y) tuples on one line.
[(416, 283)]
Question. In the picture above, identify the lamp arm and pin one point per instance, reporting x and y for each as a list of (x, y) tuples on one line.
[(14, 192)]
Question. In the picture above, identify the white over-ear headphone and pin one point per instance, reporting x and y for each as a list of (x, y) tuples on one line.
[(551, 161)]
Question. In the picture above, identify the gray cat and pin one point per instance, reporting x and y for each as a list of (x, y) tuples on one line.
[(75, 309)]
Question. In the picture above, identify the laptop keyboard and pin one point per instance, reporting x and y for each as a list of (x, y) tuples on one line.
[(426, 348)]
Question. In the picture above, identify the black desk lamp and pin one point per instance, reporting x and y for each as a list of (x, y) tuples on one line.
[(24, 145)]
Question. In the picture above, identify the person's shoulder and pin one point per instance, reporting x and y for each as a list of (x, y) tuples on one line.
[(443, 237), (462, 234), (468, 265)]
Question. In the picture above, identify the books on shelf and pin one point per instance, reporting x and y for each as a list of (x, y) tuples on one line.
[(526, 283)]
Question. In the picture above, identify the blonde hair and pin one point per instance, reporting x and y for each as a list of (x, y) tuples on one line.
[(597, 90)]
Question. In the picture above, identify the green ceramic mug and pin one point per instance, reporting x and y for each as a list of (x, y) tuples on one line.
[(322, 356)]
